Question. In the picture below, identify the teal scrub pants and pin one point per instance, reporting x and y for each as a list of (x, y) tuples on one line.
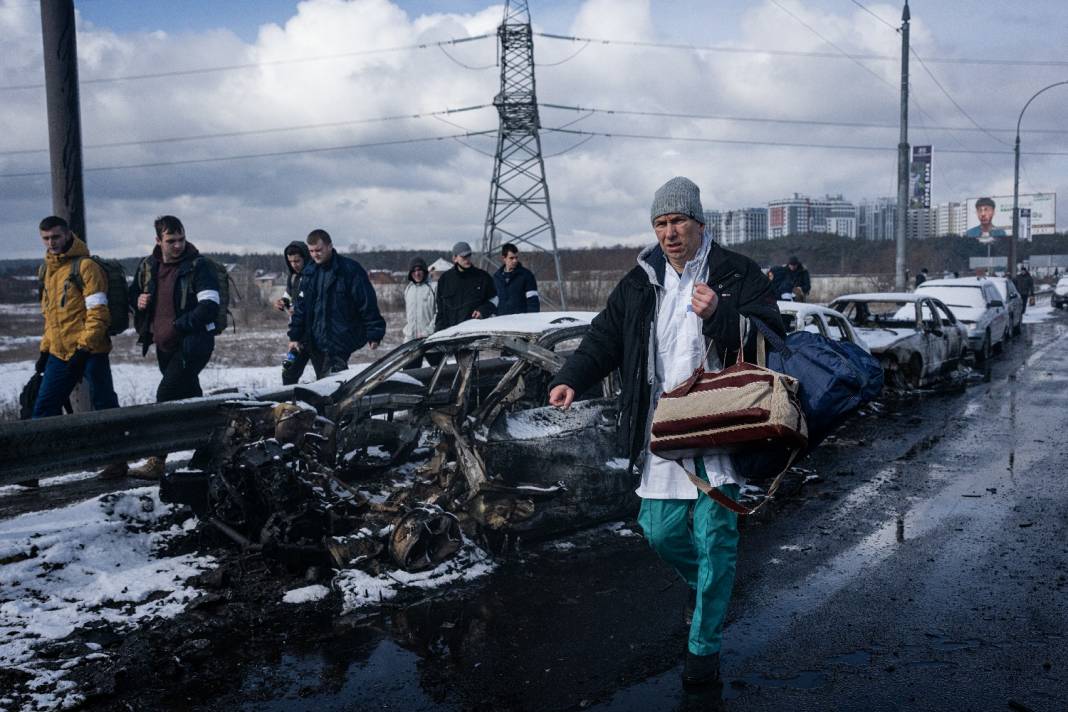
[(705, 556)]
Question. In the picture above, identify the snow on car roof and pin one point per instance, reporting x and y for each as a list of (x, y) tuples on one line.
[(880, 297), (803, 308), (538, 323), (955, 282)]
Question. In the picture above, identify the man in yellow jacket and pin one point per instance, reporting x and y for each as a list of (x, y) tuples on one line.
[(75, 342)]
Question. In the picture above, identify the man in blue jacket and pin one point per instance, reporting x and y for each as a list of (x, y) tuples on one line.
[(517, 289), (338, 309)]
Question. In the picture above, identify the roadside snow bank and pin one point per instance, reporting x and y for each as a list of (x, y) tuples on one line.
[(91, 562)]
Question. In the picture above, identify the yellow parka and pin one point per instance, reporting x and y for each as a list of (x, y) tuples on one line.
[(74, 318)]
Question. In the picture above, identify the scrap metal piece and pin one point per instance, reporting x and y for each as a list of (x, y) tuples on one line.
[(471, 464), (424, 537)]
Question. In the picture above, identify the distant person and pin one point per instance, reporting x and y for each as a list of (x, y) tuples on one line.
[(175, 296), (75, 343), (464, 292), (338, 312), (1025, 285), (921, 277), (420, 302), (297, 259), (984, 211), (791, 279), (517, 289)]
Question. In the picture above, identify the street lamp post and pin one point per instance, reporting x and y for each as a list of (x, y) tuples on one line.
[(1016, 181)]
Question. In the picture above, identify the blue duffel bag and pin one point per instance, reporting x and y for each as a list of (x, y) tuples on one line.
[(835, 377)]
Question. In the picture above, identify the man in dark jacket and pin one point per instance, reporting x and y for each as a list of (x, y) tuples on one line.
[(338, 312), (685, 290), (791, 278), (175, 297), (464, 292), (297, 258), (1025, 285), (517, 289)]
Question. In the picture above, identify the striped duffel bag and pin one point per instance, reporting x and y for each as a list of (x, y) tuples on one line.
[(743, 407)]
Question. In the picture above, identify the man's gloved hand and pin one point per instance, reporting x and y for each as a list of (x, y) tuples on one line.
[(76, 365), (42, 361)]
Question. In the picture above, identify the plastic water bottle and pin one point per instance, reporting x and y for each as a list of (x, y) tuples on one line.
[(289, 360)]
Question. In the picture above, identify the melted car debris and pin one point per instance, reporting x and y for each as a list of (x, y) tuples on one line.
[(388, 474)]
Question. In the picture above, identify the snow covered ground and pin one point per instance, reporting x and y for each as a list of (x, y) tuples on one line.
[(1035, 314), (95, 561)]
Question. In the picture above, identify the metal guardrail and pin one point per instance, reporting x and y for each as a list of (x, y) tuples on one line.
[(37, 448)]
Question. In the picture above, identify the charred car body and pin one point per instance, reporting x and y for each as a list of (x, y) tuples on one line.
[(395, 463), (917, 338)]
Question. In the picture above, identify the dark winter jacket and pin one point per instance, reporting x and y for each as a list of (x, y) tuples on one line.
[(786, 280), (461, 292), (196, 301), (294, 278), (338, 312), (1025, 284), (621, 335), (517, 291)]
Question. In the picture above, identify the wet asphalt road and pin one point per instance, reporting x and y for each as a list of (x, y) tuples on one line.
[(924, 568)]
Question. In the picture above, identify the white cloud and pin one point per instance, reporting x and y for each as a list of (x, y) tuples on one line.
[(430, 194)]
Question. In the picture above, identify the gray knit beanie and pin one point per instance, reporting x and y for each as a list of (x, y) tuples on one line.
[(678, 195)]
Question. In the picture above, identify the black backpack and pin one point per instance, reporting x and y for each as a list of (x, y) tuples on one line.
[(118, 291)]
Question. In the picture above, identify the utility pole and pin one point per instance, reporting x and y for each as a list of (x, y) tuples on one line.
[(519, 211), (903, 156), (64, 114)]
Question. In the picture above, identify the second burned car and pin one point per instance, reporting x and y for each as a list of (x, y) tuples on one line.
[(917, 338)]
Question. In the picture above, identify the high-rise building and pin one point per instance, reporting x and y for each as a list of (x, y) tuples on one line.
[(950, 219), (801, 214), (745, 225), (920, 224), (712, 224)]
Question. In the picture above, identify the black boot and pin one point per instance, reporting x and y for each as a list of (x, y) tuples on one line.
[(700, 670)]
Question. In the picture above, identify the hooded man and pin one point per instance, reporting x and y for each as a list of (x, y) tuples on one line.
[(420, 302), (517, 288), (791, 280), (175, 296), (297, 258), (75, 344), (464, 292), (685, 290)]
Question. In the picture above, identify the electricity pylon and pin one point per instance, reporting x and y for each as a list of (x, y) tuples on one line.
[(519, 210)]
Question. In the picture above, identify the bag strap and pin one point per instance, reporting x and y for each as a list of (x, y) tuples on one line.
[(725, 501)]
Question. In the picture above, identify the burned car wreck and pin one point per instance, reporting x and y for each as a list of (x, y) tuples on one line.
[(396, 466)]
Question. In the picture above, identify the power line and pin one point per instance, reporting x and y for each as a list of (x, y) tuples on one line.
[(785, 144), (258, 132), (792, 122), (865, 9), (270, 154), (267, 63), (799, 53)]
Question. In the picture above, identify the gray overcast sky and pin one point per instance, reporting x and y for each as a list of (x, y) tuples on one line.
[(429, 194)]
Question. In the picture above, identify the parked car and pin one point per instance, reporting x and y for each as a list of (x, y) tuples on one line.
[(916, 337), (799, 316), (976, 302), (1014, 302), (1059, 298)]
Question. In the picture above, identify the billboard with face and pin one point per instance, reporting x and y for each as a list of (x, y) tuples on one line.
[(920, 177), (991, 216)]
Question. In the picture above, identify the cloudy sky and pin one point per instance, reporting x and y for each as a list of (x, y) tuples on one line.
[(312, 92)]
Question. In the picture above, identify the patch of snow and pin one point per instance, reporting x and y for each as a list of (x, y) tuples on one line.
[(95, 561), (1037, 314), (541, 322), (618, 463), (561, 545), (360, 589), (881, 339), (306, 594), (619, 529), (790, 547)]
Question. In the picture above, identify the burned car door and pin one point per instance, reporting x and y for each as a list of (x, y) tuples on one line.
[(935, 351)]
